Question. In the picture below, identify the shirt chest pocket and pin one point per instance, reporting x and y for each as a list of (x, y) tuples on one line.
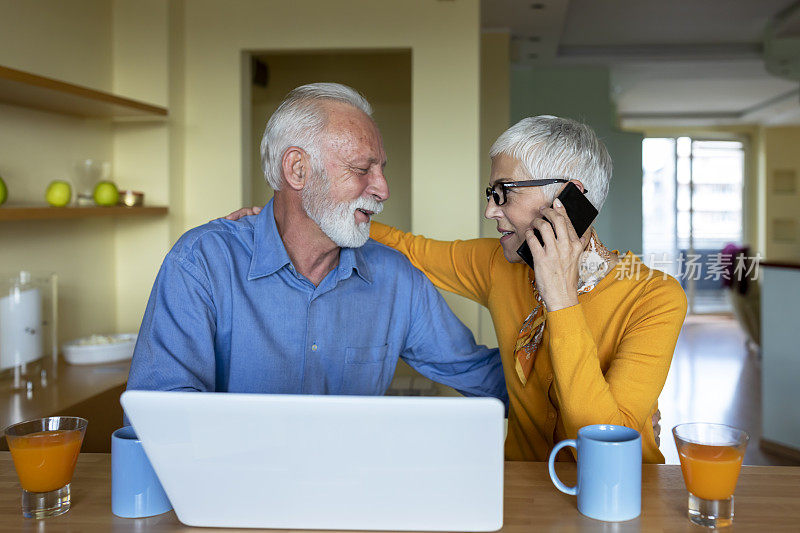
[(367, 370)]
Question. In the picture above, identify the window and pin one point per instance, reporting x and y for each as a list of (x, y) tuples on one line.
[(692, 208)]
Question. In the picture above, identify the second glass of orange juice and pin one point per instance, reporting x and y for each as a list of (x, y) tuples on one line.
[(711, 456), (45, 452)]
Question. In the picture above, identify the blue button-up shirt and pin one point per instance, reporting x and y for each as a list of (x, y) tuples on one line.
[(228, 312)]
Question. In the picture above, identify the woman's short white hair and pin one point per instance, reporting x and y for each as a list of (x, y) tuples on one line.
[(553, 147), (300, 121)]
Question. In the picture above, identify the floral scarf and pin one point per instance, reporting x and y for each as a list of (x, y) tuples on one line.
[(595, 263)]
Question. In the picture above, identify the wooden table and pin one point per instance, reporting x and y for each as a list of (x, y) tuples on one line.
[(767, 499)]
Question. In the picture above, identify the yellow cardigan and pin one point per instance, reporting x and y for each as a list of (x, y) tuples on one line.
[(604, 360)]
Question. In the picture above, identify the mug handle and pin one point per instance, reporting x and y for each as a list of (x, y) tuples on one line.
[(551, 467)]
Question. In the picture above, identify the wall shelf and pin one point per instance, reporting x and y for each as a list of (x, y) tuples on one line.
[(47, 94), (45, 212)]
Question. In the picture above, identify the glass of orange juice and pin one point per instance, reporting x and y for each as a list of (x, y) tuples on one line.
[(45, 452), (711, 456)]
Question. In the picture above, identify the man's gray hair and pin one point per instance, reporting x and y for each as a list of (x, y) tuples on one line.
[(553, 147), (300, 121)]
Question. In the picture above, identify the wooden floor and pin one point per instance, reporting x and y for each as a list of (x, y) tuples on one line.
[(714, 379)]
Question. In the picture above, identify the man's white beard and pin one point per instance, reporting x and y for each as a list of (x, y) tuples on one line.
[(337, 220)]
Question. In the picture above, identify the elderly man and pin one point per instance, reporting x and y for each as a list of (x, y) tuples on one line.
[(297, 299)]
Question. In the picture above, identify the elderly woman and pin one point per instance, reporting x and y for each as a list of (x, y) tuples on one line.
[(587, 335)]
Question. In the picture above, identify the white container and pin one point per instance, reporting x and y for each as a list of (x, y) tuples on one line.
[(28, 327), (21, 327), (100, 349)]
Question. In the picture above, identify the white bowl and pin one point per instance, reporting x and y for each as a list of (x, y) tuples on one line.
[(99, 349)]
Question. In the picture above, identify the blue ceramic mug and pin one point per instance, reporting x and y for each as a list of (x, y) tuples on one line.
[(609, 472), (136, 491)]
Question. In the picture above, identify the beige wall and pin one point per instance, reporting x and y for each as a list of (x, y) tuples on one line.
[(781, 155), (66, 40), (495, 119), (495, 109), (69, 41), (176, 71), (141, 150), (384, 78)]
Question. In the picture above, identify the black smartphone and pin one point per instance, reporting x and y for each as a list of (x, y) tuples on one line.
[(580, 211)]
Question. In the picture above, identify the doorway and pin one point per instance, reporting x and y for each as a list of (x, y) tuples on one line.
[(383, 77)]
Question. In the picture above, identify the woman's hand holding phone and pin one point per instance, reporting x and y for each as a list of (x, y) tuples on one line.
[(556, 263)]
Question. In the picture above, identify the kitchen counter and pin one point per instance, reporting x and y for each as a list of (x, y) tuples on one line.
[(88, 391), (780, 366), (782, 263)]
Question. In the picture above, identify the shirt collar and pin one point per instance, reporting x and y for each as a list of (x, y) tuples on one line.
[(351, 259), (269, 252)]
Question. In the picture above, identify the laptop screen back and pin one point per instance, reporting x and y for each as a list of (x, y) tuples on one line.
[(325, 462)]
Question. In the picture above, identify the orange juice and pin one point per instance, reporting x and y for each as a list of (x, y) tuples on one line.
[(45, 460), (710, 472)]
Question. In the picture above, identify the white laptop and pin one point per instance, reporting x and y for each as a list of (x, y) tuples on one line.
[(325, 462)]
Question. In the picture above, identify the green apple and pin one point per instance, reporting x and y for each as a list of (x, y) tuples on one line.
[(3, 191), (106, 193), (59, 193)]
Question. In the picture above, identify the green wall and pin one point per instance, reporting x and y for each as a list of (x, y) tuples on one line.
[(582, 93)]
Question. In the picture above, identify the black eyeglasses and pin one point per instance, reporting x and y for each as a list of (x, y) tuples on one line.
[(498, 192)]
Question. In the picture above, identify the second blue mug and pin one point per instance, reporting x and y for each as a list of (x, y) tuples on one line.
[(609, 472)]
